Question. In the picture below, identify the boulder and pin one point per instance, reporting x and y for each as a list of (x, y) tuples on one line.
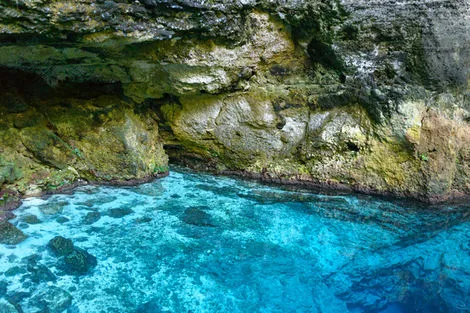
[(61, 246), (73, 260), (79, 262), (10, 235)]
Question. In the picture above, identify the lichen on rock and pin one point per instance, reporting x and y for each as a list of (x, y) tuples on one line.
[(366, 94)]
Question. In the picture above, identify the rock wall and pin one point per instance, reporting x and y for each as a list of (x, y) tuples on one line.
[(366, 95), (54, 138)]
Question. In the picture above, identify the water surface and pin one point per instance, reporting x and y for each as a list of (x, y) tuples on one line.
[(197, 243)]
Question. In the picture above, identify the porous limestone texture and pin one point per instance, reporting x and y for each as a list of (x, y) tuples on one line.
[(367, 95)]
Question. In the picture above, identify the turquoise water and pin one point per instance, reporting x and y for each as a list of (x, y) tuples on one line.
[(198, 243)]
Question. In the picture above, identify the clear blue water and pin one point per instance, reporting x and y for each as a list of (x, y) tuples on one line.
[(197, 243)]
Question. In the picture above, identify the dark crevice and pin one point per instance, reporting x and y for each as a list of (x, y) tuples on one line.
[(156, 104), (29, 84), (352, 146), (322, 53)]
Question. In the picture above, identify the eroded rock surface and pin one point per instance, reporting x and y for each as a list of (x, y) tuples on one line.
[(372, 95)]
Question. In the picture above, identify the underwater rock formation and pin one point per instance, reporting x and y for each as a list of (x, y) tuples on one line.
[(228, 245), (75, 260), (10, 235), (366, 95)]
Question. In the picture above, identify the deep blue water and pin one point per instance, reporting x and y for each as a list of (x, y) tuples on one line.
[(197, 243)]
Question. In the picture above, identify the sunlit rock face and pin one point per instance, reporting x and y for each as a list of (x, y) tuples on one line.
[(208, 244), (373, 95)]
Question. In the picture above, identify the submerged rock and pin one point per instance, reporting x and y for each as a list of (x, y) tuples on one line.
[(23, 225), (119, 212), (7, 307), (52, 208), (40, 273), (91, 217), (3, 288), (10, 235), (16, 297), (73, 260), (79, 262), (197, 216), (31, 219), (143, 220), (62, 219), (32, 259), (54, 299), (290, 250), (102, 200), (153, 190), (15, 270), (61, 246)]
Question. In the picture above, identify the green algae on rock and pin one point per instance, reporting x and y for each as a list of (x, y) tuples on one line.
[(98, 139), (366, 94), (10, 235)]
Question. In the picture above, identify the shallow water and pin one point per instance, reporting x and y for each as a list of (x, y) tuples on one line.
[(197, 243)]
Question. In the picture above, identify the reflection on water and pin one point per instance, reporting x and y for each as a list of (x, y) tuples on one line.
[(197, 243)]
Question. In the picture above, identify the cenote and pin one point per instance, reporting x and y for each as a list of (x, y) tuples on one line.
[(198, 243)]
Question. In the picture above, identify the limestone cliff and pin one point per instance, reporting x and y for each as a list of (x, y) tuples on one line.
[(365, 94)]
